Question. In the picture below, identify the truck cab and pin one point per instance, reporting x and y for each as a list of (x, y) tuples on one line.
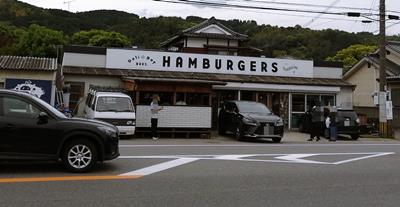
[(113, 107)]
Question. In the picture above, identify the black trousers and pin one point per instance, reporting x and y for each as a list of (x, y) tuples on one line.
[(154, 123), (315, 129)]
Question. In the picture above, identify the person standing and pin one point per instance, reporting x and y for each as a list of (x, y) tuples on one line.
[(316, 123), (331, 125), (155, 108)]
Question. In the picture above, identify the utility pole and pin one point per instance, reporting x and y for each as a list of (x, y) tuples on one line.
[(68, 3), (383, 127)]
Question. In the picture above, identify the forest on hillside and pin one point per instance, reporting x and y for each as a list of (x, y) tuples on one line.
[(30, 30)]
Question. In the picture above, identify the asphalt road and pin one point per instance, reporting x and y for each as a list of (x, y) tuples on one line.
[(192, 173)]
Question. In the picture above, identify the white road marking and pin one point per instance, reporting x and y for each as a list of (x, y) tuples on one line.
[(161, 167), (179, 160), (297, 158)]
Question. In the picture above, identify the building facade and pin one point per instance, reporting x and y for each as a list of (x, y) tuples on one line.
[(200, 68)]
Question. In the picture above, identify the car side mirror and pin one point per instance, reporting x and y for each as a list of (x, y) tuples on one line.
[(43, 118)]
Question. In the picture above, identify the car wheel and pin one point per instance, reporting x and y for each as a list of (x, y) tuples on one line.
[(79, 155), (238, 133), (221, 131), (276, 140), (355, 136)]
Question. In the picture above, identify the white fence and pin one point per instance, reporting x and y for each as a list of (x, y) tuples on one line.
[(175, 117)]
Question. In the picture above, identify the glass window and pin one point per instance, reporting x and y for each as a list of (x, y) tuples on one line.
[(1, 85), (396, 96), (197, 99), (247, 95), (298, 102), (296, 118), (13, 107), (328, 100), (118, 104), (312, 100)]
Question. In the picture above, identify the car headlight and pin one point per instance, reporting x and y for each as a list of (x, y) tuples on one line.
[(130, 122), (358, 121), (250, 122), (109, 131), (279, 123)]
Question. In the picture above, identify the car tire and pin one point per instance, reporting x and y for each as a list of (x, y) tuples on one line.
[(79, 155), (276, 140), (221, 131), (238, 133), (355, 136)]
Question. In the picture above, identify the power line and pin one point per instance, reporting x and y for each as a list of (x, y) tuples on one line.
[(313, 5), (319, 15), (205, 3)]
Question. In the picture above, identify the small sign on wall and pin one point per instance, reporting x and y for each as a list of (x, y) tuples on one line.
[(39, 88), (389, 110)]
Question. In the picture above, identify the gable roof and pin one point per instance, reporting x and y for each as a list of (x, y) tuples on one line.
[(394, 45), (27, 63), (373, 58), (192, 32)]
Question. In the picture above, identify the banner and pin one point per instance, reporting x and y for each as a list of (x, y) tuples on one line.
[(205, 63), (39, 88)]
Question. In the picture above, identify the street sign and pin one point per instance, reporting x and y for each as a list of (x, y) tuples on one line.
[(382, 106), (389, 110)]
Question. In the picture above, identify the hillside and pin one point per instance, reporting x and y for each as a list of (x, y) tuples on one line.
[(149, 32)]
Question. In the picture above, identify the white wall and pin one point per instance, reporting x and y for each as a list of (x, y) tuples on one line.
[(345, 98), (218, 42), (84, 60), (196, 42), (175, 117), (327, 72)]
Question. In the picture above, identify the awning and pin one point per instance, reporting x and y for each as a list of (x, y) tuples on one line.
[(278, 87), (139, 79)]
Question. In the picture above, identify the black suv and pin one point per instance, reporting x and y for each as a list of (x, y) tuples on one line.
[(31, 129), (247, 119), (347, 123)]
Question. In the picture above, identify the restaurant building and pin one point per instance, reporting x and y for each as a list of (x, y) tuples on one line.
[(199, 69)]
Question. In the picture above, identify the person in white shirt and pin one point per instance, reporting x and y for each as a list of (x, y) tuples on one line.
[(155, 108)]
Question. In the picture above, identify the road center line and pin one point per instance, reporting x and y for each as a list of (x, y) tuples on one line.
[(161, 167)]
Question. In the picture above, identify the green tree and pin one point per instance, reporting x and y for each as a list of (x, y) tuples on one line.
[(100, 38), (9, 36), (352, 54), (40, 41)]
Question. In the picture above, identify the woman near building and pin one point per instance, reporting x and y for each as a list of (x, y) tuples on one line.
[(155, 108)]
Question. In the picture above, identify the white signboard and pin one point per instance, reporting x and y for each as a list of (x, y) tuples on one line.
[(204, 63), (389, 110), (382, 106)]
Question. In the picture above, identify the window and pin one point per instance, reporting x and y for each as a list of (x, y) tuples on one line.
[(13, 107), (118, 104), (328, 100), (396, 97), (1, 85), (247, 95), (298, 102), (312, 100), (197, 99), (166, 98)]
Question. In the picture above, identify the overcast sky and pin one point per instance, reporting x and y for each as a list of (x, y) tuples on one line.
[(149, 8)]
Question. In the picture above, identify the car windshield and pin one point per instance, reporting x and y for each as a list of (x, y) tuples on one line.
[(253, 107), (49, 107), (347, 114), (116, 104)]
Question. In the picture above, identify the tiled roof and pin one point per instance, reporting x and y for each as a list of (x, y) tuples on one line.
[(27, 63), (394, 45), (390, 66), (205, 76), (191, 32)]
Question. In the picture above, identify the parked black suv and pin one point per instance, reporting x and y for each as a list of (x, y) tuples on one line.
[(247, 119), (31, 129), (347, 123)]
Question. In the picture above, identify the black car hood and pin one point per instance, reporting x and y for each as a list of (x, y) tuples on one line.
[(261, 117), (93, 121)]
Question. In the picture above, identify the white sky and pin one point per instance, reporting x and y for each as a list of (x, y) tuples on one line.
[(149, 8)]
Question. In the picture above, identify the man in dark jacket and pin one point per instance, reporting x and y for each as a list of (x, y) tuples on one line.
[(316, 122)]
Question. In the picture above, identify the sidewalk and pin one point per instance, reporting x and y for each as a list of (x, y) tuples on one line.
[(289, 138)]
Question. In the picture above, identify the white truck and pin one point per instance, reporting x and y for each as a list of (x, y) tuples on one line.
[(112, 107)]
